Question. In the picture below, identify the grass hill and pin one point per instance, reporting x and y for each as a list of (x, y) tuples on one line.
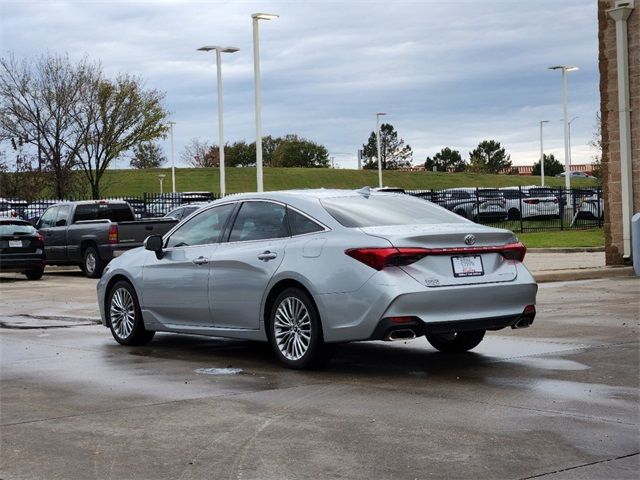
[(136, 182)]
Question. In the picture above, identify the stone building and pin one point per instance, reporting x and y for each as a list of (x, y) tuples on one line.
[(610, 14)]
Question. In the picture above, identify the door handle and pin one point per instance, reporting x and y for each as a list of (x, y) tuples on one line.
[(266, 256), (200, 261)]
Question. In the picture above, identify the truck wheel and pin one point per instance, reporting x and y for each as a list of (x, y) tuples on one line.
[(92, 264), (124, 316), (34, 274), (456, 342)]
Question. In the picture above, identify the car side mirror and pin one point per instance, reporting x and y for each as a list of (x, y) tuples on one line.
[(154, 243)]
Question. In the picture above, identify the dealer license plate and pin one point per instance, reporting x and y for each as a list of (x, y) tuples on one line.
[(15, 243), (467, 266)]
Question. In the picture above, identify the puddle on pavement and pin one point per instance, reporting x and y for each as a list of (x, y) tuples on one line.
[(550, 363), (218, 371), (577, 391)]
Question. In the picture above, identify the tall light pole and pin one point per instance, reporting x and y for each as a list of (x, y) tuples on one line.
[(569, 124), (378, 115), (173, 158), (220, 50), (565, 69), (256, 70), (542, 122)]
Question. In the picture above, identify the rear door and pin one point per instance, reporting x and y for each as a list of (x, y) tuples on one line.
[(244, 264)]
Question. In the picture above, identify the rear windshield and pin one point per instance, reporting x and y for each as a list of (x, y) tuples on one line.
[(490, 193), (380, 210), (116, 212), (17, 228)]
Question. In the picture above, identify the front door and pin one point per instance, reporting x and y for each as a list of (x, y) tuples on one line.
[(176, 286)]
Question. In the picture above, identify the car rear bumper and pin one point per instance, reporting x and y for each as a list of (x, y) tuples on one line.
[(21, 262), (394, 294)]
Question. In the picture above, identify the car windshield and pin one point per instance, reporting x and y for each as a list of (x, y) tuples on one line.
[(17, 228), (380, 210)]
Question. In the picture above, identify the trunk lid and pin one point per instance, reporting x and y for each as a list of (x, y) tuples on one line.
[(458, 267)]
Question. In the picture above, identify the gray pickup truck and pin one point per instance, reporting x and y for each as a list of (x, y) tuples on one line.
[(91, 233)]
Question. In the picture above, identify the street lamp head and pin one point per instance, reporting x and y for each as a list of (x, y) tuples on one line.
[(544, 121), (208, 48), (566, 68), (264, 16), (380, 113)]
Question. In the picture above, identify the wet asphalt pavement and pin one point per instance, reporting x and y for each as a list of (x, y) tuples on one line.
[(558, 400)]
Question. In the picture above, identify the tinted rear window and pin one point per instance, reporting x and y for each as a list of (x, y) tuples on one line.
[(17, 228), (116, 212), (380, 210)]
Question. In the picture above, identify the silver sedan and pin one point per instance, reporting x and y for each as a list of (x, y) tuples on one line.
[(306, 270)]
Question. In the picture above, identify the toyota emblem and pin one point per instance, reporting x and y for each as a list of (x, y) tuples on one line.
[(470, 239)]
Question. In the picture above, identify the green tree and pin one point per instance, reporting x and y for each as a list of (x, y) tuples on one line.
[(294, 151), (394, 153), (117, 116), (551, 166), (445, 159), (490, 155), (240, 154), (147, 155)]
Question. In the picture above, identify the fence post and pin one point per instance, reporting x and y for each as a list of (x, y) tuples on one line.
[(477, 205), (563, 203), (520, 200)]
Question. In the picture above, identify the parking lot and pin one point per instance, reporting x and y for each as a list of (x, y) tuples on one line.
[(558, 400)]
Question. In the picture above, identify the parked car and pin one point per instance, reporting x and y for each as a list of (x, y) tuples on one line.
[(479, 205), (590, 207), (305, 270), (184, 211), (92, 233), (530, 202), (21, 248), (575, 175)]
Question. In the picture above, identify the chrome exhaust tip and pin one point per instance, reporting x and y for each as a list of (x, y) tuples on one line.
[(404, 334), (523, 323)]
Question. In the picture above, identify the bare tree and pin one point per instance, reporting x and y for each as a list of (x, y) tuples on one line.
[(39, 101), (199, 153), (115, 117)]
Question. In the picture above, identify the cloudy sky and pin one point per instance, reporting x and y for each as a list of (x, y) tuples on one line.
[(449, 73)]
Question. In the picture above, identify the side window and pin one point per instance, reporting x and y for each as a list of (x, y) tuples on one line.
[(202, 229), (63, 215), (48, 219), (259, 221), (300, 224)]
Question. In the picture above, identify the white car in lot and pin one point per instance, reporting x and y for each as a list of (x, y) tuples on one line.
[(530, 202)]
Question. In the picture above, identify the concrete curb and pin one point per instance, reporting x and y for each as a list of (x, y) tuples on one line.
[(543, 276), (566, 250)]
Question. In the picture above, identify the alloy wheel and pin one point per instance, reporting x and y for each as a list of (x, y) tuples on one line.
[(122, 312), (292, 328)]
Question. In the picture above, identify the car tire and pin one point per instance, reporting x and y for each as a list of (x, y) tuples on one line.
[(457, 342), (92, 264), (295, 331), (34, 274), (514, 214), (124, 316)]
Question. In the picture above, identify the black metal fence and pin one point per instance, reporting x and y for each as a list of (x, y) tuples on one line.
[(520, 209), (523, 209)]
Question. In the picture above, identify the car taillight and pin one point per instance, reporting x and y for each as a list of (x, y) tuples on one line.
[(113, 234), (532, 201), (379, 258), (514, 251), (39, 237)]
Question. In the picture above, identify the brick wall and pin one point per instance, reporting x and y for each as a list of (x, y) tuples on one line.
[(610, 124)]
